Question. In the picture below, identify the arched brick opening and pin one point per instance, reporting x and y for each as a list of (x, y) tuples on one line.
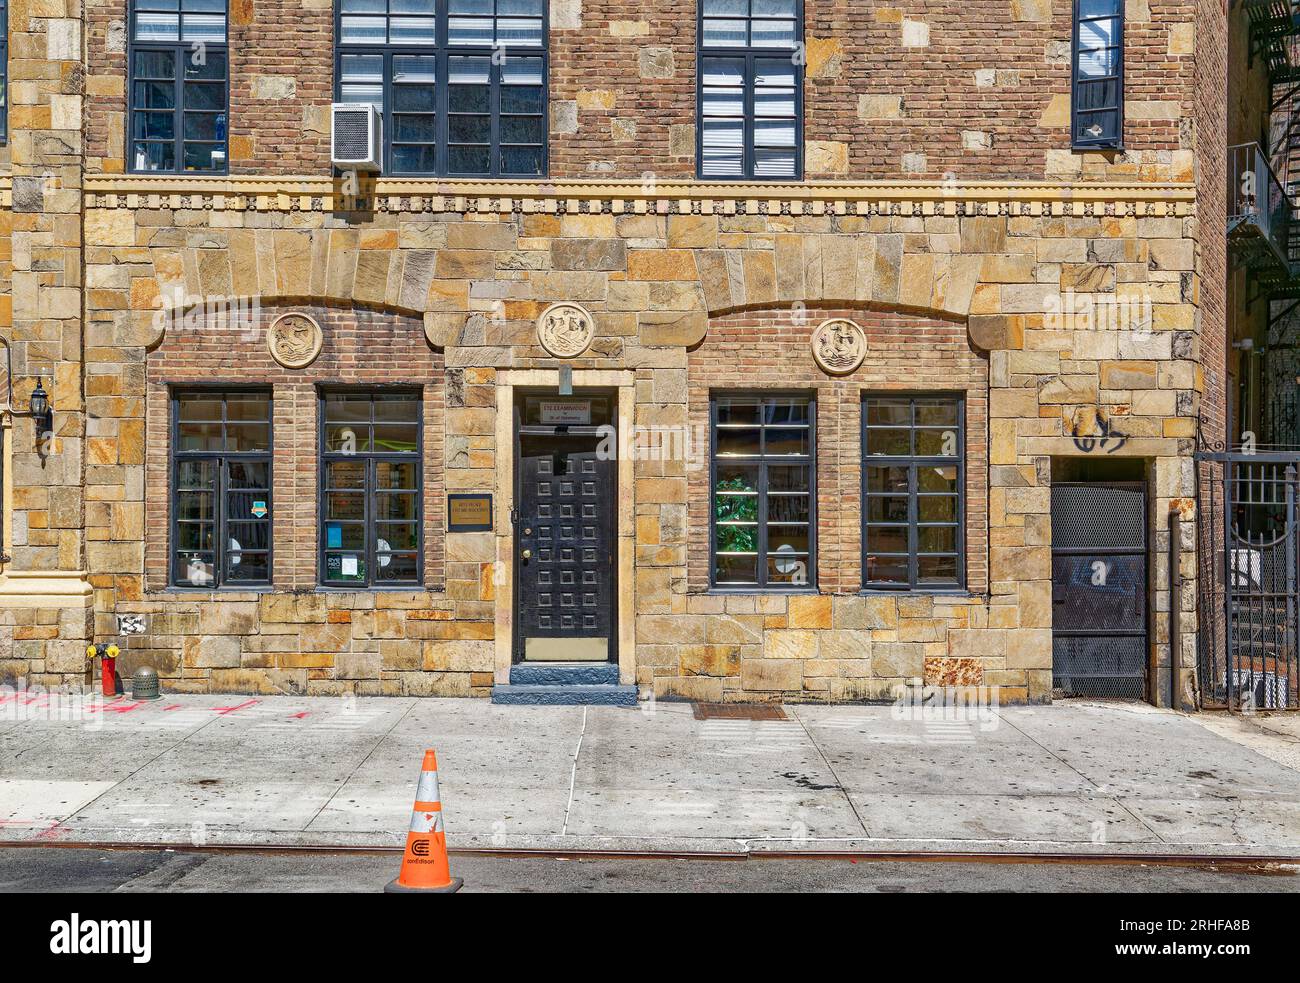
[(770, 348), (363, 346)]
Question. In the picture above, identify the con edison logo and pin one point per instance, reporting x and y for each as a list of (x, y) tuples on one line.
[(102, 936), (420, 848)]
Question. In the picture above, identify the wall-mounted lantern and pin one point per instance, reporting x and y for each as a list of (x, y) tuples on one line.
[(41, 411), (43, 417)]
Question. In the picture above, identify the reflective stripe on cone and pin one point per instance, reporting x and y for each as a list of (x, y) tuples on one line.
[(424, 861)]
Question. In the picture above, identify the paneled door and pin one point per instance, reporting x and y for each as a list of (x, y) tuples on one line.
[(565, 547)]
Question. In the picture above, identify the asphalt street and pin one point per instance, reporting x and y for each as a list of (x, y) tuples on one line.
[(58, 869)]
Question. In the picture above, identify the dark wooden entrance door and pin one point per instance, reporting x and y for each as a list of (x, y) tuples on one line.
[(565, 539)]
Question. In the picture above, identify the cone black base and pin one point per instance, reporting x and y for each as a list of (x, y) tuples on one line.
[(392, 887)]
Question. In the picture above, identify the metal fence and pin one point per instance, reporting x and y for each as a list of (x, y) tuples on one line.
[(1249, 557)]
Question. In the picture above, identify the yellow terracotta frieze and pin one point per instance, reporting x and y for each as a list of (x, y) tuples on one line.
[(385, 194)]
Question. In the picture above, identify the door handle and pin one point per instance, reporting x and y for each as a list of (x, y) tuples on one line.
[(527, 554)]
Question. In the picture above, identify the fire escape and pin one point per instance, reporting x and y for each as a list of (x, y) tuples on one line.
[(1248, 545), (1264, 225)]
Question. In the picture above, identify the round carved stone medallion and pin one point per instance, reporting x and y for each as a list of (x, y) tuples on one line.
[(566, 330), (839, 346), (294, 339)]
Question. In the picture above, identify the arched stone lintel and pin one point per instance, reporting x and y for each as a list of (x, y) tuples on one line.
[(151, 326), (985, 332)]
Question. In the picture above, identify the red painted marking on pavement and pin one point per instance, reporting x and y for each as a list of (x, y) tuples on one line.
[(298, 716), (123, 708), (174, 706), (242, 706), (114, 706)]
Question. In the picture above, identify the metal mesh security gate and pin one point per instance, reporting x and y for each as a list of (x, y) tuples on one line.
[(1249, 551), (1099, 589)]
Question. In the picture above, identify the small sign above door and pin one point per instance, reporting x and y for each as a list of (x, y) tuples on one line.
[(565, 412), (469, 513)]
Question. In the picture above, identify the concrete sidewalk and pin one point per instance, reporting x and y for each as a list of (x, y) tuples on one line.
[(1070, 778)]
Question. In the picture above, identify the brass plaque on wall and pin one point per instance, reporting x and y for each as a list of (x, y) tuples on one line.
[(469, 513)]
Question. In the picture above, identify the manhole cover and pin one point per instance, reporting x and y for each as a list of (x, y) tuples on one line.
[(739, 711)]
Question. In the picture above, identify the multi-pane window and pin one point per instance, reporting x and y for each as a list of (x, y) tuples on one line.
[(4, 70), (178, 86), (221, 488), (763, 531), (1098, 73), (750, 104), (912, 492), (370, 489), (461, 83)]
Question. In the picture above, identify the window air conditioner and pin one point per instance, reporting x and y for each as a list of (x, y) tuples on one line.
[(356, 136)]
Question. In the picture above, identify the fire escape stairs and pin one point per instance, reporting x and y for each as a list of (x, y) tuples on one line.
[(1275, 40)]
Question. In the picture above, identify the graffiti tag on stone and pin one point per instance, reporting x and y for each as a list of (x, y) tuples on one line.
[(1107, 440)]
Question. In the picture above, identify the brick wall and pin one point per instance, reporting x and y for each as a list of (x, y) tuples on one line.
[(980, 89), (362, 347), (768, 350)]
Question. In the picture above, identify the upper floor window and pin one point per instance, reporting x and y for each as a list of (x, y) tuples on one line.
[(461, 83), (763, 491), (221, 488), (4, 71), (750, 89), (912, 478), (179, 81), (1098, 102), (370, 488)]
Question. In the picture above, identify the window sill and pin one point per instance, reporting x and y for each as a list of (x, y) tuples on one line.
[(393, 589), (957, 592), (234, 593), (757, 591), (178, 592)]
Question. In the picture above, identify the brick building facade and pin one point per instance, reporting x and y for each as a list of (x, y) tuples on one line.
[(942, 208)]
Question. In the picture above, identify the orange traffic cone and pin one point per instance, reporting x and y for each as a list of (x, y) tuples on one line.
[(424, 864)]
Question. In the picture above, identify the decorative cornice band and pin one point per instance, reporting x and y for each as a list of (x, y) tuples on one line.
[(905, 198)]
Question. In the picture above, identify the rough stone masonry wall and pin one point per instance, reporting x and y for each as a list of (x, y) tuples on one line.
[(657, 278), (892, 90), (40, 315)]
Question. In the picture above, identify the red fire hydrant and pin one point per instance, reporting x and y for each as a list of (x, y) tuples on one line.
[(107, 666)]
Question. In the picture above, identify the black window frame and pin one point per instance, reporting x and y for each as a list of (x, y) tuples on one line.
[(913, 462), (181, 49), (223, 458), (1078, 84), (4, 72), (443, 52), (323, 488), (749, 53), (761, 584)]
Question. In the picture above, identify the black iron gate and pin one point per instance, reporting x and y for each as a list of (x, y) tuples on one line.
[(1249, 551), (1099, 589)]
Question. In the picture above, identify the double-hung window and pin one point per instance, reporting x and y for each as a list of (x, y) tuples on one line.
[(461, 84), (370, 488), (912, 474), (763, 501), (221, 488), (178, 86), (750, 89), (1098, 102)]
